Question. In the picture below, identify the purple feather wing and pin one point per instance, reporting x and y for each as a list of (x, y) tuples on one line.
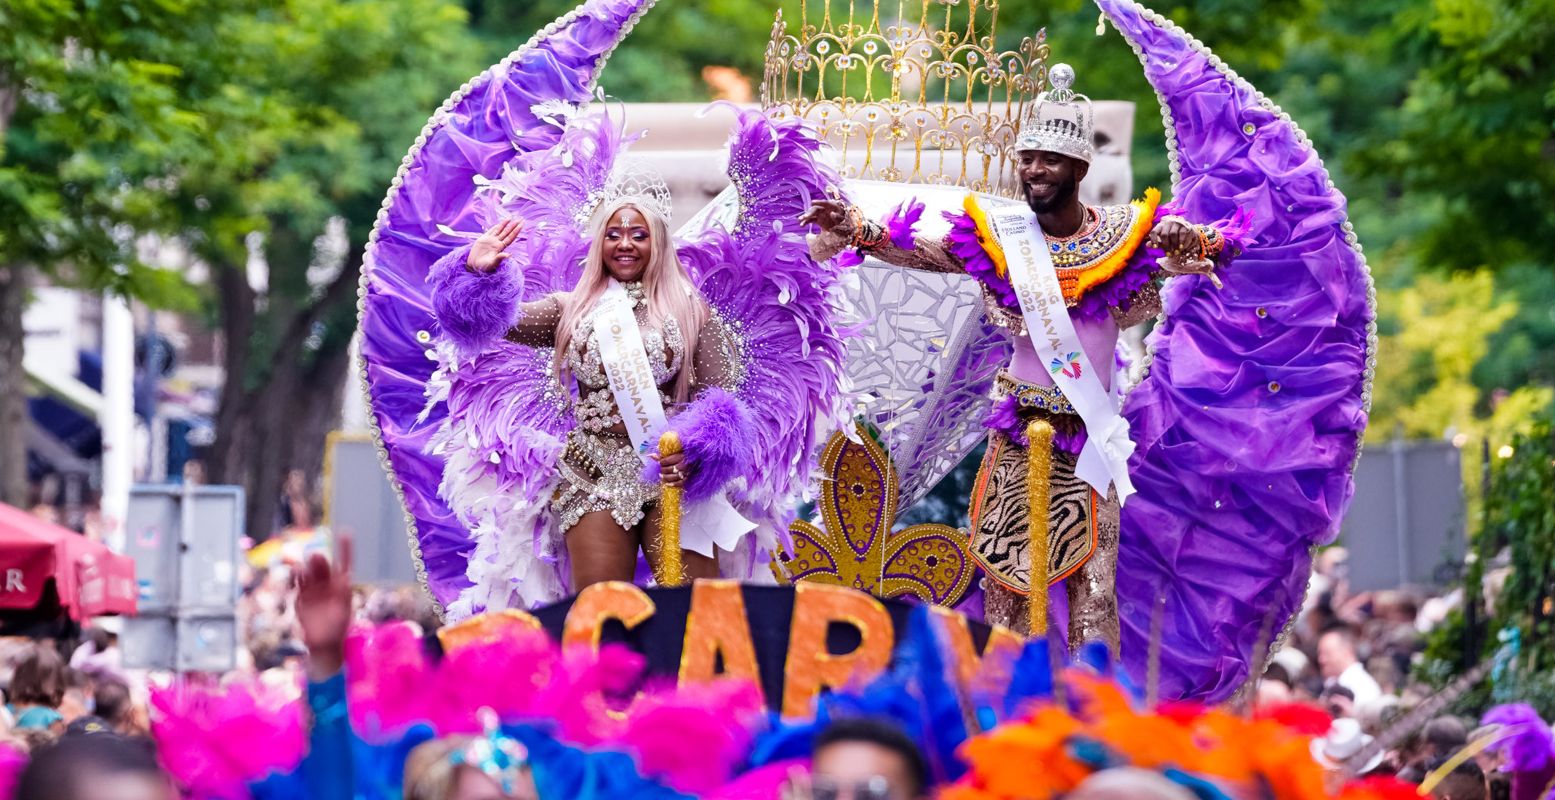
[(760, 278), (478, 130), (1250, 421)]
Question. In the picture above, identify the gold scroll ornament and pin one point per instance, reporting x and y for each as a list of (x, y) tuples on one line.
[(855, 545)]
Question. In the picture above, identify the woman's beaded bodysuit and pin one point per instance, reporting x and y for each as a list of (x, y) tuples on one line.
[(600, 470)]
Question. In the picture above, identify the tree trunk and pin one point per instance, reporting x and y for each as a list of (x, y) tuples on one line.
[(236, 303), (275, 420), (13, 387), (9, 92), (13, 376)]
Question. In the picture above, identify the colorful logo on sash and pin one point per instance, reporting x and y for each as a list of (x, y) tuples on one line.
[(1069, 365)]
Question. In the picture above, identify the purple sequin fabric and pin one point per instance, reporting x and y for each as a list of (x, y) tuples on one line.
[(1250, 420)]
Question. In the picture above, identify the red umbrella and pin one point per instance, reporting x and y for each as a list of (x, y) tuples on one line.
[(88, 578)]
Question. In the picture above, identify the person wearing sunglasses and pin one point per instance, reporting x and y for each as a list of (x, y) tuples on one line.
[(862, 758)]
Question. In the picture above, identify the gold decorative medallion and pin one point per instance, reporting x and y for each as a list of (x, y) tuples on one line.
[(857, 547)]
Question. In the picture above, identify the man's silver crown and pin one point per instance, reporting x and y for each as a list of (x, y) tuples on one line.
[(1060, 121)]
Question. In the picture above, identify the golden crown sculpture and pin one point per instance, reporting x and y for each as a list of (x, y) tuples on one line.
[(926, 100), (857, 546)]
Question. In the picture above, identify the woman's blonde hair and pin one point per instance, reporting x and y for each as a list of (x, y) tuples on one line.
[(666, 285)]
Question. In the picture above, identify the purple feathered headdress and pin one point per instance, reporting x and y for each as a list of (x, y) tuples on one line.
[(1528, 741)]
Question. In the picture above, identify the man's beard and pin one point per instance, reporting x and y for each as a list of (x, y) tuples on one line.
[(1063, 195)]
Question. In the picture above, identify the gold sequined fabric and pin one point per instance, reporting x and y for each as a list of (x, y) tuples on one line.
[(858, 544), (1144, 304), (927, 255), (1093, 597)]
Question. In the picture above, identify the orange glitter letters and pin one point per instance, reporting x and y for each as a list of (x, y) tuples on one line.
[(809, 667), (717, 625), (600, 603)]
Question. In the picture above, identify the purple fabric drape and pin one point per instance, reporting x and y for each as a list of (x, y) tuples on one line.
[(1249, 422), (474, 135)]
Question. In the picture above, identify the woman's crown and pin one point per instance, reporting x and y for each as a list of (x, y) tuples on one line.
[(632, 179), (929, 99)]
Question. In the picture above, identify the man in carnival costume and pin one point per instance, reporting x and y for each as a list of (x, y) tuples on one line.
[(1098, 263)]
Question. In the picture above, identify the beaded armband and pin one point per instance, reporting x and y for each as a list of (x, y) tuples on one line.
[(867, 234), (1211, 240)]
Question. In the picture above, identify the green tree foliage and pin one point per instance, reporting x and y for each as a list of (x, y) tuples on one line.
[(239, 127), (663, 59), (1435, 331), (91, 125), (1511, 580), (310, 105), (1476, 129), (1523, 352)]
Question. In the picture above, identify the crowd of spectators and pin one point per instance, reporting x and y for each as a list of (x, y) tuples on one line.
[(74, 701), (1350, 653), (1353, 654)]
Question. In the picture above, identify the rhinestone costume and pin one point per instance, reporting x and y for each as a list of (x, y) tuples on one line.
[(599, 470)]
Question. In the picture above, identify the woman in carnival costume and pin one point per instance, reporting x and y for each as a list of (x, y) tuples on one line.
[(522, 437), (557, 402)]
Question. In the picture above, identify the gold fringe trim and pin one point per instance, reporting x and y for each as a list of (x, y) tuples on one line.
[(1085, 278), (1039, 474), (1105, 270), (669, 571), (985, 235)]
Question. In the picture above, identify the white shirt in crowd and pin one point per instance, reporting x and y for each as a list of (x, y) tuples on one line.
[(1360, 683)]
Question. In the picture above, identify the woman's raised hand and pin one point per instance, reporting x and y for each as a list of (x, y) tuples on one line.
[(490, 249), (323, 608)]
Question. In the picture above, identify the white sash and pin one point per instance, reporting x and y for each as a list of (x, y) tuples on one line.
[(1104, 459), (625, 359)]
